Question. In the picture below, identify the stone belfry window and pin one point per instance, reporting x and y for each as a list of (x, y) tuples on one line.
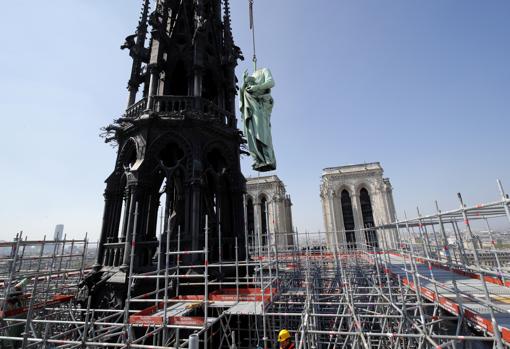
[(368, 217), (263, 220), (250, 221), (360, 205), (268, 212), (348, 216)]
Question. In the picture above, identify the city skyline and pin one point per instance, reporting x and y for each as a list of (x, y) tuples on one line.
[(420, 87)]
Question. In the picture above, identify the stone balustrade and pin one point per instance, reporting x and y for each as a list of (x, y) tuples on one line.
[(181, 107)]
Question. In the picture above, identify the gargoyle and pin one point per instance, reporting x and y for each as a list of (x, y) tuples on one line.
[(134, 50), (129, 43), (238, 54)]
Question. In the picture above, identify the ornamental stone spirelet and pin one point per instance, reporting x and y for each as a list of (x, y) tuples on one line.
[(256, 107)]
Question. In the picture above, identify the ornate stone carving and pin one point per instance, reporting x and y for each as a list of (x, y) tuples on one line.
[(178, 143)]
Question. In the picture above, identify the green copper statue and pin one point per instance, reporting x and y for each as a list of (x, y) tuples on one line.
[(256, 107)]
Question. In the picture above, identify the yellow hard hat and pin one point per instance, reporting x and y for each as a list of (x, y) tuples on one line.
[(283, 336)]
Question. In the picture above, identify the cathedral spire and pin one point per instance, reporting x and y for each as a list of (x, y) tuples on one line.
[(232, 52), (179, 137), (227, 23), (136, 45)]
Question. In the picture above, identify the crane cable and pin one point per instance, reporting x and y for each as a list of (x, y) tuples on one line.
[(252, 28)]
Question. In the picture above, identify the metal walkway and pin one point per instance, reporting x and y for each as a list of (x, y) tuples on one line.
[(462, 294)]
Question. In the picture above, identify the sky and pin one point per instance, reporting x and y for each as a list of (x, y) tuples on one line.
[(421, 86)]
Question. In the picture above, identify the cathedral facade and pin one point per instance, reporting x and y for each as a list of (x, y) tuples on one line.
[(355, 198), (268, 213)]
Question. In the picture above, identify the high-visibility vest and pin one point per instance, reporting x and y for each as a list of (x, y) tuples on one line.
[(292, 346)]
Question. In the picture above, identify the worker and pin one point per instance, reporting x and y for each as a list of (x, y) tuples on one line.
[(14, 301), (285, 340)]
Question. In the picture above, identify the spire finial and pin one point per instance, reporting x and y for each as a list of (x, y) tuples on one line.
[(136, 45), (142, 25)]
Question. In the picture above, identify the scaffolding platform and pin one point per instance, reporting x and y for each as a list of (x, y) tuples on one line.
[(248, 301), (412, 290), (460, 293)]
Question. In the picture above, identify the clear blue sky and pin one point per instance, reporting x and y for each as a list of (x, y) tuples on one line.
[(421, 86)]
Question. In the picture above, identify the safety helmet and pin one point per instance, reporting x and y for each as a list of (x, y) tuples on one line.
[(283, 336)]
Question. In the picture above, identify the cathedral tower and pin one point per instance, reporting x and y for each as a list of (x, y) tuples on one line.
[(178, 157)]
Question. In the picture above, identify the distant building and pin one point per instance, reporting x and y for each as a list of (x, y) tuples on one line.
[(486, 257), (356, 197), (268, 213), (59, 232)]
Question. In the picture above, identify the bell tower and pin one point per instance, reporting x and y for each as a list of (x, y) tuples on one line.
[(178, 157)]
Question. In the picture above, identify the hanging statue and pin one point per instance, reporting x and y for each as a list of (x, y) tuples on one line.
[(256, 108)]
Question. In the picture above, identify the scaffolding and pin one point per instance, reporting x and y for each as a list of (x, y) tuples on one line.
[(38, 283), (419, 287)]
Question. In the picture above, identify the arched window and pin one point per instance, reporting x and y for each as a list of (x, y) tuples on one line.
[(225, 213), (209, 89), (368, 218), (177, 83), (263, 221), (250, 222), (168, 206), (348, 216), (122, 224), (163, 208), (128, 159)]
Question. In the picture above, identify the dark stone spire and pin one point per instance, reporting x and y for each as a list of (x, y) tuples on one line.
[(178, 142), (227, 24)]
